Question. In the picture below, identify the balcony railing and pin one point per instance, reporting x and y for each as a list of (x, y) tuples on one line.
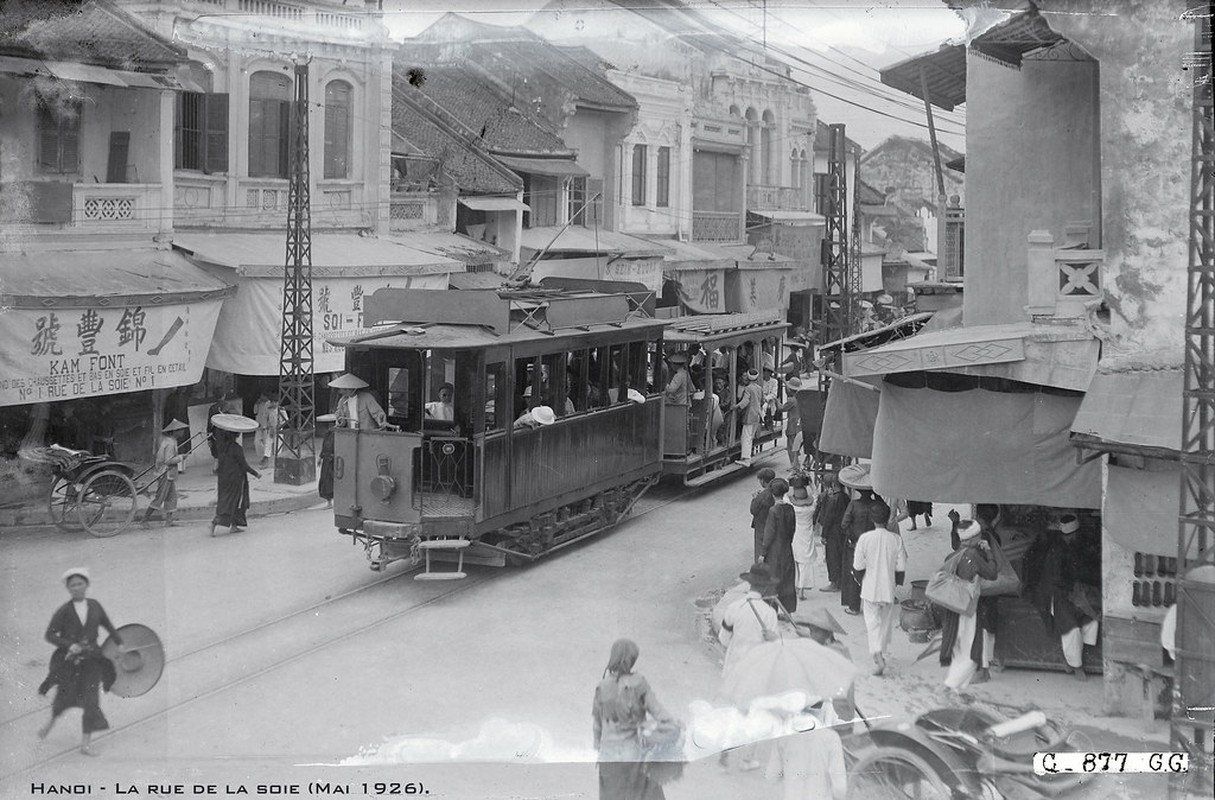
[(290, 12), (777, 198), (411, 211), (951, 263), (121, 205), (1062, 280), (716, 226)]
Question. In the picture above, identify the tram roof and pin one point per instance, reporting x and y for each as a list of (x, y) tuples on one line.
[(722, 327), (450, 336)]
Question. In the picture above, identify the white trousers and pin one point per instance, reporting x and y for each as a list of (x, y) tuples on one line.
[(1075, 640), (961, 668), (879, 625), (748, 441), (989, 648)]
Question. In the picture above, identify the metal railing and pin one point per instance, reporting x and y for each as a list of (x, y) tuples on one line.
[(716, 226)]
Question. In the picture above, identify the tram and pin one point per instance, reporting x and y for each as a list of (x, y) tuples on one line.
[(701, 440), (493, 476)]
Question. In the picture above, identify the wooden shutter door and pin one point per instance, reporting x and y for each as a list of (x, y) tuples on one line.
[(215, 133), (120, 150)]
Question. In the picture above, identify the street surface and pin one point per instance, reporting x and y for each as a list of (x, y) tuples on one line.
[(288, 657)]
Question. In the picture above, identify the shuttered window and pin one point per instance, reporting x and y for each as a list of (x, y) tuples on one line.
[(663, 193), (59, 136), (639, 158), (201, 128), (586, 192), (269, 125), (337, 129)]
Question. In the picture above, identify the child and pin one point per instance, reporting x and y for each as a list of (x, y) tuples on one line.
[(167, 459)]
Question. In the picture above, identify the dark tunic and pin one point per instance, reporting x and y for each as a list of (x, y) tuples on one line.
[(829, 513), (232, 494), (857, 520), (1052, 568), (212, 436), (778, 552), (761, 504), (79, 677), (973, 562), (324, 484), (621, 705)]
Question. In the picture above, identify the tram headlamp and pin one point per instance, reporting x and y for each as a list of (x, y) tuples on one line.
[(383, 484)]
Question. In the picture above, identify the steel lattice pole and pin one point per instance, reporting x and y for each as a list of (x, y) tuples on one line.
[(295, 450)]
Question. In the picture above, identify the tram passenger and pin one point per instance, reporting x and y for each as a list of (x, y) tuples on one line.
[(751, 407), (357, 407), (442, 410), (537, 417), (676, 392)]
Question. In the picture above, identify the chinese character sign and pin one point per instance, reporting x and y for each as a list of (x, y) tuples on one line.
[(85, 352)]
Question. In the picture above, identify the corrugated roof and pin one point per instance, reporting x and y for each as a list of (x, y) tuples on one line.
[(93, 32), (582, 240), (265, 253), (478, 105), (1134, 408)]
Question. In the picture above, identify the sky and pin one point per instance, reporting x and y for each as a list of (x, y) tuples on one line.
[(835, 46)]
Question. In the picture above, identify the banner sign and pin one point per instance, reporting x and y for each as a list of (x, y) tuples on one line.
[(248, 336), (757, 290), (702, 291), (646, 271), (48, 355)]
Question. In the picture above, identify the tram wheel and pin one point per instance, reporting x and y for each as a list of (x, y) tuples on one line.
[(891, 773), (106, 503)]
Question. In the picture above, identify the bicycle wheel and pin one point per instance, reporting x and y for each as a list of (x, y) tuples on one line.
[(106, 503), (887, 773), (61, 502)]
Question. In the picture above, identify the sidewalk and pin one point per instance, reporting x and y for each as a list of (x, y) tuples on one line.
[(195, 498)]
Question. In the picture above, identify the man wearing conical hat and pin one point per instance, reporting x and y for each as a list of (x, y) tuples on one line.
[(167, 459), (357, 406)]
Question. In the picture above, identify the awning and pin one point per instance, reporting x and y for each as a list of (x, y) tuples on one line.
[(1039, 354), (1140, 408), (265, 255), (577, 239), (849, 419), (807, 217), (494, 204), (560, 167), (99, 322), (699, 255), (980, 446), (87, 73), (466, 250)]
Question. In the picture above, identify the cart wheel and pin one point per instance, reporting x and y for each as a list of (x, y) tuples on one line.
[(890, 772), (106, 503), (61, 502)]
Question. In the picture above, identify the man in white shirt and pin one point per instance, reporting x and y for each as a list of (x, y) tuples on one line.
[(881, 556), (443, 410), (750, 621)]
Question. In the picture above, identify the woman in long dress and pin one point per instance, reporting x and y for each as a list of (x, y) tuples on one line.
[(623, 701), (232, 491), (324, 484), (805, 543), (78, 668), (777, 548)]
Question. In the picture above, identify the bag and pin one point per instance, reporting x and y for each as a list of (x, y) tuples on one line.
[(662, 750), (950, 592), (1006, 581)]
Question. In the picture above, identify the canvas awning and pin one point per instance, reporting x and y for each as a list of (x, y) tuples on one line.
[(806, 217), (494, 204), (86, 323), (457, 246), (577, 239), (87, 73), (265, 254), (1139, 410), (559, 167)]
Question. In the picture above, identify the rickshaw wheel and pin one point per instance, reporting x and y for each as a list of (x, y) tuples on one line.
[(61, 503), (886, 773), (106, 503)]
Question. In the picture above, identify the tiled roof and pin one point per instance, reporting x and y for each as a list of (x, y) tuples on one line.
[(93, 32), (925, 148), (528, 57), (479, 106), (472, 171), (587, 58)]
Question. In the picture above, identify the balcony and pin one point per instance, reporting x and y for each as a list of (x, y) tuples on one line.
[(411, 211), (106, 206), (777, 198), (716, 226)]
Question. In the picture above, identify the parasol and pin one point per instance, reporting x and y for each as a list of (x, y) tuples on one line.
[(794, 665), (234, 423), (139, 665)]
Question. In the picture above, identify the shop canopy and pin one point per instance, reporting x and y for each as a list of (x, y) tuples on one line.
[(494, 204), (555, 167), (580, 240), (345, 269), (85, 323)]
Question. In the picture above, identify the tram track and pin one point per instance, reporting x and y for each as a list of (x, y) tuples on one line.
[(646, 505)]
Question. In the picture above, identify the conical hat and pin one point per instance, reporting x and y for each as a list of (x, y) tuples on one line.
[(234, 423), (141, 663), (348, 381), (175, 425)]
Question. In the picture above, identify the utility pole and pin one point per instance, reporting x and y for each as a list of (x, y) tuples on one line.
[(295, 450), (834, 315)]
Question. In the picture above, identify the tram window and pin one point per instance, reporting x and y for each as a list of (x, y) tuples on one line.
[(527, 384), (398, 392), (618, 375), (495, 396), (553, 387), (577, 374), (637, 366)]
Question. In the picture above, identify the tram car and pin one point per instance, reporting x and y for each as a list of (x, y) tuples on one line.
[(516, 424), (702, 440)]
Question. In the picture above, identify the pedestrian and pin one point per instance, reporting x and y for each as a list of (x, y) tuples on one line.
[(793, 422), (357, 406), (961, 647), (220, 406), (751, 407), (324, 483), (858, 518), (167, 459), (1053, 568), (269, 417), (761, 503), (623, 702), (806, 551), (881, 560), (828, 518), (78, 668), (177, 407), (917, 507), (988, 613), (779, 530), (811, 760), (232, 490), (748, 622)]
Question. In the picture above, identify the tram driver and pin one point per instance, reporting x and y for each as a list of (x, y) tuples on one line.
[(443, 409), (357, 406)]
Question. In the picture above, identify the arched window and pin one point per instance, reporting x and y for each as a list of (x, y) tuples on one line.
[(752, 117), (338, 127), (805, 173), (767, 143), (269, 124), (734, 112), (795, 169)]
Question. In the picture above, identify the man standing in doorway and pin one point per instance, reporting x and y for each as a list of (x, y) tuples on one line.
[(751, 406)]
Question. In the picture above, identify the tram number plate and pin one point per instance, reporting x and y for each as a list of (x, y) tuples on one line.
[(1055, 763)]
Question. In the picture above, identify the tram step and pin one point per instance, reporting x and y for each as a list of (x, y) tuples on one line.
[(440, 576), (438, 545), (714, 474)]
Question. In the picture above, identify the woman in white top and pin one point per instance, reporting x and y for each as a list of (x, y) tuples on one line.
[(805, 547)]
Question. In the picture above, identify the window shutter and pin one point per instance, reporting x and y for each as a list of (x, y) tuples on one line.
[(215, 133), (120, 150), (69, 144), (286, 129), (178, 157), (594, 212)]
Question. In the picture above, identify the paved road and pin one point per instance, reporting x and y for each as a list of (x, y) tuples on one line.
[(288, 657)]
